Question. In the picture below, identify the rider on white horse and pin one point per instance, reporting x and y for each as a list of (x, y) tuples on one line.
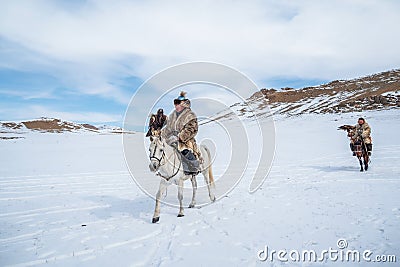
[(180, 133)]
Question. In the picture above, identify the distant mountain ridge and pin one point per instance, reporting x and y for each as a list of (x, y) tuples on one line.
[(374, 92), (53, 125)]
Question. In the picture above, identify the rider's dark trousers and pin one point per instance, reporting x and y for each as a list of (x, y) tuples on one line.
[(190, 164)]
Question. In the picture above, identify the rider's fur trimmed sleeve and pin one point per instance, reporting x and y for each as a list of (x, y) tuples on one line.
[(189, 131)]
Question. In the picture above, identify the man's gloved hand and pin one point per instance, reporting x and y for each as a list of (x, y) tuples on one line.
[(173, 141)]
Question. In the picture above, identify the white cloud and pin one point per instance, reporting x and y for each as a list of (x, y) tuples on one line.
[(29, 95), (98, 41)]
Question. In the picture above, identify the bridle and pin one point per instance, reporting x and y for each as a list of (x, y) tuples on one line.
[(158, 159), (167, 178)]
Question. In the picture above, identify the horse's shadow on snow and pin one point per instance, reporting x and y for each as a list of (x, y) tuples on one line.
[(335, 168), (137, 208)]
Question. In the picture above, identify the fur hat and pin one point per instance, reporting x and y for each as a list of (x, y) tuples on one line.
[(182, 100), (182, 96)]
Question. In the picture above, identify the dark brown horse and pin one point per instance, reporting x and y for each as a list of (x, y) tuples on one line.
[(360, 148)]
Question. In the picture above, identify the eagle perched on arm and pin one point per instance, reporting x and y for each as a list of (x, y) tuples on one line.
[(349, 128), (346, 127)]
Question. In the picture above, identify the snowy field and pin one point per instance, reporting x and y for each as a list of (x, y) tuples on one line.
[(69, 200)]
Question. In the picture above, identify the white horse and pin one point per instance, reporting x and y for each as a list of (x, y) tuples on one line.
[(166, 161)]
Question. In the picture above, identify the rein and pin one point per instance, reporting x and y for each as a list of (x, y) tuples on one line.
[(167, 178)]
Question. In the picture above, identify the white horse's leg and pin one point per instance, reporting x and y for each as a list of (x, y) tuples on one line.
[(194, 186), (180, 197), (161, 190)]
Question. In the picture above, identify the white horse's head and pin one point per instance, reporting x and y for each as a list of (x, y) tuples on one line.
[(157, 154)]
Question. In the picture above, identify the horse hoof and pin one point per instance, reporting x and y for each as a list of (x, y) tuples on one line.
[(180, 215), (191, 205), (366, 168), (156, 219), (361, 170)]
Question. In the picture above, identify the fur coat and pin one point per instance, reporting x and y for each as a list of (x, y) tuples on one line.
[(364, 131), (184, 126)]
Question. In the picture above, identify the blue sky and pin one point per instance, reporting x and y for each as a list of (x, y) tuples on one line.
[(83, 60)]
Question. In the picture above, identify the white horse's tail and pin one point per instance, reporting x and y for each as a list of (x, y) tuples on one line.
[(210, 173), (209, 167)]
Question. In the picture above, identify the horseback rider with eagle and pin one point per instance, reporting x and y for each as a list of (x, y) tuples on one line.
[(361, 132), (180, 133)]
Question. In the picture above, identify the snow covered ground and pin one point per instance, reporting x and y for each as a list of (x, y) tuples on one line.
[(68, 200)]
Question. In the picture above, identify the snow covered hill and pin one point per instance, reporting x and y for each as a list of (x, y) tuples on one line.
[(375, 92), (48, 125), (15, 130), (68, 200)]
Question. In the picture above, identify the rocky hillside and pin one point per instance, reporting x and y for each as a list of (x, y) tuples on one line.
[(47, 125), (374, 92), (378, 91), (14, 130)]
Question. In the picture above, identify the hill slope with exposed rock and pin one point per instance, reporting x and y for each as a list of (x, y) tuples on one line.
[(15, 130), (374, 92), (48, 125)]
